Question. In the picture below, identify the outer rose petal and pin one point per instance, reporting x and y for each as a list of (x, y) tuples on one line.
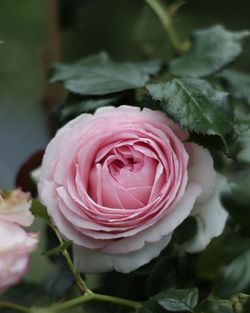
[(15, 247), (15, 208), (202, 171), (93, 261), (148, 243), (162, 228), (211, 219)]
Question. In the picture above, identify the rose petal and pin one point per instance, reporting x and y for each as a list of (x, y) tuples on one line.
[(93, 261), (211, 219), (14, 252), (202, 171), (164, 227)]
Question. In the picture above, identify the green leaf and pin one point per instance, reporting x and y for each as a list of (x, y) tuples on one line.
[(151, 306), (195, 105), (212, 49), (215, 305), (238, 84), (220, 252), (243, 154), (234, 277), (39, 210), (225, 262), (186, 231), (215, 143), (66, 244), (176, 300), (99, 75), (236, 197), (164, 275)]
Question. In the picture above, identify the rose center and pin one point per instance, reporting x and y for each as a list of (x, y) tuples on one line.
[(123, 178), (129, 164)]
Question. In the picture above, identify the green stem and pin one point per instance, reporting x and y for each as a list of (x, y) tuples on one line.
[(13, 306), (79, 281), (167, 23), (94, 297)]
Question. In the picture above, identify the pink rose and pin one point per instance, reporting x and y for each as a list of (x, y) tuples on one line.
[(15, 247), (119, 182), (15, 206)]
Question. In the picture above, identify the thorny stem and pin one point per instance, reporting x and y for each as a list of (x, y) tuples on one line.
[(13, 306), (61, 307), (96, 297), (88, 295), (167, 23), (79, 281)]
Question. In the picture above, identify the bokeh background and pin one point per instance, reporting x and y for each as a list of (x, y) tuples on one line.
[(37, 33)]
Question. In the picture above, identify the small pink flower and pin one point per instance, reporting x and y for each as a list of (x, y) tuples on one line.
[(119, 182), (15, 207), (15, 247)]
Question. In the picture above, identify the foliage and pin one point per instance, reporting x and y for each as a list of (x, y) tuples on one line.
[(212, 48)]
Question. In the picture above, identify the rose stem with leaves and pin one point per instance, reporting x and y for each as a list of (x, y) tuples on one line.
[(88, 295), (79, 281)]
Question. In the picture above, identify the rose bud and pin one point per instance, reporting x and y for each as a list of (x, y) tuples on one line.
[(119, 182)]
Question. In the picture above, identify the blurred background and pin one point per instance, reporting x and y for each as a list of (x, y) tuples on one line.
[(38, 33)]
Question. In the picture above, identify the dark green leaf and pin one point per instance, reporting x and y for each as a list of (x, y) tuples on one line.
[(238, 84), (59, 282), (66, 244), (195, 105), (99, 75), (234, 277), (151, 306), (164, 275), (172, 271), (39, 210), (52, 243), (212, 49), (246, 306), (236, 198), (186, 231), (214, 143), (243, 154), (215, 305), (27, 294), (176, 300), (220, 252), (226, 263)]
